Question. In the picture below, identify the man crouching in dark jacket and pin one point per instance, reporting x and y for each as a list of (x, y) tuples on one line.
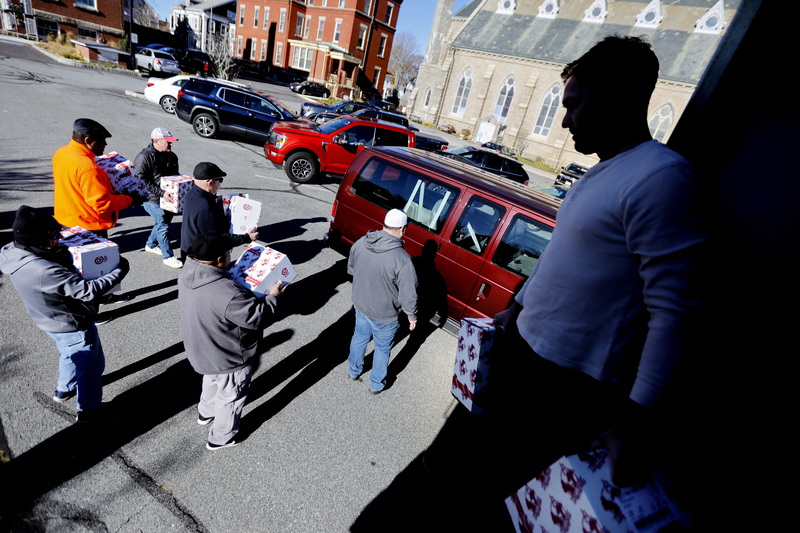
[(61, 303), (222, 325)]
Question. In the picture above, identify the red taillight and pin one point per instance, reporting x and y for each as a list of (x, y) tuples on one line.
[(444, 147), (180, 94), (333, 209), (150, 84), (205, 66)]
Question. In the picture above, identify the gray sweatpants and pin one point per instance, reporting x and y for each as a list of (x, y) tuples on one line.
[(223, 397)]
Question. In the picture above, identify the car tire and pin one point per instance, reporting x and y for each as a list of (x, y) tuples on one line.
[(326, 94), (301, 167), (205, 125), (303, 91), (168, 103)]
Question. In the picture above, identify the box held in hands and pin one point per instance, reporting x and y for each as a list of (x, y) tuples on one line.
[(259, 267), (122, 173), (244, 214), (475, 339), (93, 256), (179, 186)]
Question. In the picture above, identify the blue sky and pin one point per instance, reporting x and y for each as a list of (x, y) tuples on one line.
[(416, 16)]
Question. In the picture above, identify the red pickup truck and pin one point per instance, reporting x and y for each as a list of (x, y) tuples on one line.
[(305, 150)]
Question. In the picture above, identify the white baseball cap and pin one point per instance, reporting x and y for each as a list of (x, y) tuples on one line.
[(395, 219), (162, 133)]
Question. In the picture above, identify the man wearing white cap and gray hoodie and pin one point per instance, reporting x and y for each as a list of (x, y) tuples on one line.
[(384, 283), (153, 162)]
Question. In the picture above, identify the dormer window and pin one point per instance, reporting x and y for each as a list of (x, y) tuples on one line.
[(506, 7), (650, 17), (548, 9), (713, 21), (597, 12)]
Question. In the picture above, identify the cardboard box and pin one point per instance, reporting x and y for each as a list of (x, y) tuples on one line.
[(124, 179), (226, 201), (244, 214), (475, 339), (178, 186), (576, 494), (93, 256), (259, 267)]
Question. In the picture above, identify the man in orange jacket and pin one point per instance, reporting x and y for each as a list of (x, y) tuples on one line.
[(83, 193)]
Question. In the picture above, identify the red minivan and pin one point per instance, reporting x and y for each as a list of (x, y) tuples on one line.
[(489, 232)]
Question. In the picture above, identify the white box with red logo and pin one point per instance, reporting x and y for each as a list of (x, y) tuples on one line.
[(244, 214), (575, 494), (179, 186), (93, 256), (226, 201), (123, 176), (259, 267), (475, 339)]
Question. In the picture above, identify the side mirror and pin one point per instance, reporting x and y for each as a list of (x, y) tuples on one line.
[(339, 139)]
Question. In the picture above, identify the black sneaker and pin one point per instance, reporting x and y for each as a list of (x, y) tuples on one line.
[(87, 415), (115, 299), (204, 420), (213, 447), (61, 396)]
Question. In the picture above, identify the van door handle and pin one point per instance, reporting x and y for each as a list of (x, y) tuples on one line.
[(483, 292)]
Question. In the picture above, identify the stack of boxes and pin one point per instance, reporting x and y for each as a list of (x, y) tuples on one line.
[(123, 176), (92, 256)]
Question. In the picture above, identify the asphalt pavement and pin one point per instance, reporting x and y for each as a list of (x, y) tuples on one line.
[(316, 448)]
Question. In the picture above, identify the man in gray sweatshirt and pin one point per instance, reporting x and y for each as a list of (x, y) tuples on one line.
[(222, 324), (384, 282), (61, 303)]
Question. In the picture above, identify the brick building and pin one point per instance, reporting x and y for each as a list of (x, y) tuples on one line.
[(493, 68), (337, 42)]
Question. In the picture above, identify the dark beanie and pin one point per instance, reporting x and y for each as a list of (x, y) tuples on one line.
[(34, 227), (92, 128), (210, 246)]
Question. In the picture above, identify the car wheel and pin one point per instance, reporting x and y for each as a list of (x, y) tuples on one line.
[(301, 167), (205, 125), (168, 103), (326, 94), (303, 91)]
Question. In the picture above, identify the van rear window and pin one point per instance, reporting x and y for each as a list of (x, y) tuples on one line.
[(426, 201), (522, 245)]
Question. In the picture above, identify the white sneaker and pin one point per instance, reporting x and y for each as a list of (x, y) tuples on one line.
[(154, 250), (173, 262)]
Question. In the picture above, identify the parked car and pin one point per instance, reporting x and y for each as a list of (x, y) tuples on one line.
[(164, 91), (570, 174), (346, 107), (307, 150), (212, 108), (310, 87), (500, 149), (386, 116), (383, 104), (196, 62), (488, 233), (493, 162), (154, 61), (429, 142), (164, 48)]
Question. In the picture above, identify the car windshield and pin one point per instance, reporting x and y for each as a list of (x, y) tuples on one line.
[(333, 125), (277, 103), (575, 169)]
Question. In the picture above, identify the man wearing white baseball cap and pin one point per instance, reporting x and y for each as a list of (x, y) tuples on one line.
[(153, 162), (384, 283)]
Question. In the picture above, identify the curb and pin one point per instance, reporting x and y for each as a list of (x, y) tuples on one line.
[(72, 62)]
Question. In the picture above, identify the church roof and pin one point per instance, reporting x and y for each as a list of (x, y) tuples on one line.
[(682, 53)]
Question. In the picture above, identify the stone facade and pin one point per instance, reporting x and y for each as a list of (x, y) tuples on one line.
[(493, 71)]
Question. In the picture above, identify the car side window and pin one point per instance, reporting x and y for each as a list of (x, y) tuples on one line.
[(262, 106), (234, 97), (390, 138), (477, 224), (180, 83), (493, 162), (360, 136), (522, 245), (426, 201)]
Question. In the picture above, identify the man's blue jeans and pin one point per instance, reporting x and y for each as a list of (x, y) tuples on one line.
[(382, 334), (81, 365), (160, 233)]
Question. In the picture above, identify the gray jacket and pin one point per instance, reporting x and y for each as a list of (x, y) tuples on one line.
[(57, 299), (384, 280), (221, 320)]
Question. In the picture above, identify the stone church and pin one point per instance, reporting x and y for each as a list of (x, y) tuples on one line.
[(492, 69)]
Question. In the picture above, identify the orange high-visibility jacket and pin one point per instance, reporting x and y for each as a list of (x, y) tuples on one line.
[(83, 193)]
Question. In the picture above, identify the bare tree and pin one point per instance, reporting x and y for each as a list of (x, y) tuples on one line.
[(220, 49), (405, 58)]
